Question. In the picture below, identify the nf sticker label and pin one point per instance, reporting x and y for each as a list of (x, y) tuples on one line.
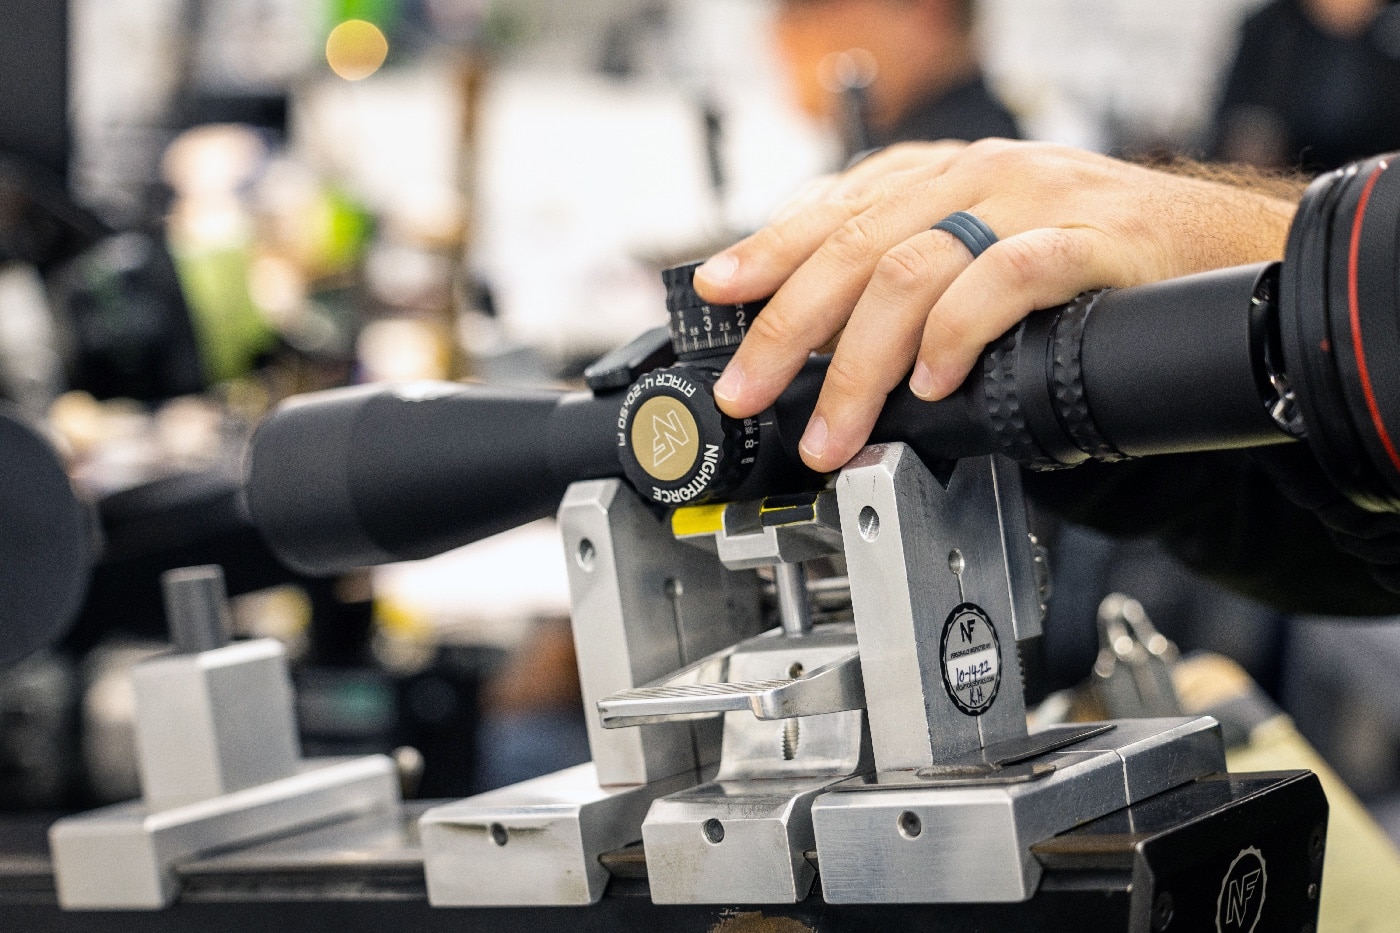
[(971, 658), (1241, 899)]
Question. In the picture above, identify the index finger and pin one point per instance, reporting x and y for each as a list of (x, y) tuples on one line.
[(817, 299)]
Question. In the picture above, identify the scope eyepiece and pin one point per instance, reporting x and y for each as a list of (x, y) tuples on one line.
[(1340, 327)]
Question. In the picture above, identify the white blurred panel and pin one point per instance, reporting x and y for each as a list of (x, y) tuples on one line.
[(393, 138), (1100, 73), (575, 174), (487, 592)]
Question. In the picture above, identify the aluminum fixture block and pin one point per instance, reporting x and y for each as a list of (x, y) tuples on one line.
[(962, 844), (740, 842), (213, 723), (123, 857), (744, 541), (536, 842), (920, 549), (220, 766), (644, 605)]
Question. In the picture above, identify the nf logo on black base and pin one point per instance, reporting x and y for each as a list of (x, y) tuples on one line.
[(1241, 898), (971, 656)]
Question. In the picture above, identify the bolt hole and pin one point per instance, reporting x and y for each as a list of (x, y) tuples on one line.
[(956, 562), (714, 831), (869, 522), (499, 835), (910, 825), (1163, 912), (586, 554), (796, 670)]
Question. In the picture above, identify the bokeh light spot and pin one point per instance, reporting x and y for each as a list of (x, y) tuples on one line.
[(355, 49)]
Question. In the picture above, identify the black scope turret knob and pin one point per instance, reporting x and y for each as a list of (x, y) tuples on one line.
[(700, 329), (676, 446)]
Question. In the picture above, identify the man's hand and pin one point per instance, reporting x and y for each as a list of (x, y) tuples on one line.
[(854, 257)]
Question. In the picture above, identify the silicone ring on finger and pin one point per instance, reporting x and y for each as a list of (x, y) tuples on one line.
[(969, 229)]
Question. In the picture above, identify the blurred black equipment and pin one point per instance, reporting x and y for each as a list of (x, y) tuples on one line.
[(46, 547)]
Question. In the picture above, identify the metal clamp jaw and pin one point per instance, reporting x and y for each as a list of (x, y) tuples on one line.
[(792, 705), (780, 533), (943, 586), (643, 605)]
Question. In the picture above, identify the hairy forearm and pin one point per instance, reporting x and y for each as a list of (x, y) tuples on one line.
[(1256, 205), (1275, 183)]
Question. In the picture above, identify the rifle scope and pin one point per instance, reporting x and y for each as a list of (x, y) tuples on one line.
[(1306, 349)]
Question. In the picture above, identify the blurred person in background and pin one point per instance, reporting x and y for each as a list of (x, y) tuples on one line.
[(1313, 86), (889, 71)]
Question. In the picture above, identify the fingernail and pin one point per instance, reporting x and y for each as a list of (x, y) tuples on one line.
[(944, 382), (921, 382), (729, 384), (813, 441), (719, 268)]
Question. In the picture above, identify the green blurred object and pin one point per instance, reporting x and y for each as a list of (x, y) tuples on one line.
[(383, 13), (346, 229), (230, 331)]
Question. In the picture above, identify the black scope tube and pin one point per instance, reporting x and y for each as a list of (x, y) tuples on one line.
[(47, 541), (372, 474), (368, 475)]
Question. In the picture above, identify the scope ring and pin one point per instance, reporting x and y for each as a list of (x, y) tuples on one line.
[(1067, 380)]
